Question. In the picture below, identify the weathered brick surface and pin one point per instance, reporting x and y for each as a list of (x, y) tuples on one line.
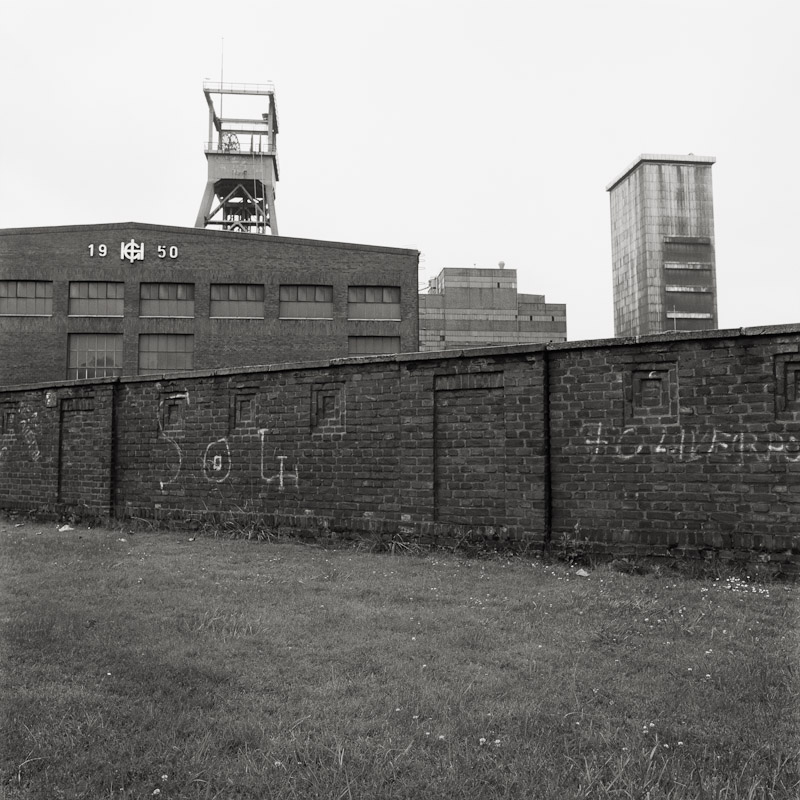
[(677, 445), (56, 447), (35, 348), (669, 446)]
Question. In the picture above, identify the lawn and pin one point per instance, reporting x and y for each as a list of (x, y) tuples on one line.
[(174, 665)]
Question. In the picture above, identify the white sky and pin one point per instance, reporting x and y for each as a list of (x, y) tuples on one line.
[(473, 132)]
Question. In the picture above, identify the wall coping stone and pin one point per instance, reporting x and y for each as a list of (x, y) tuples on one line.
[(430, 356)]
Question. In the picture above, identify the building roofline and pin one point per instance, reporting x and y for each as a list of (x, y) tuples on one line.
[(233, 235), (660, 158)]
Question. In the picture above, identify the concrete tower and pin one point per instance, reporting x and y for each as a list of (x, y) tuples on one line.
[(662, 245), (242, 160)]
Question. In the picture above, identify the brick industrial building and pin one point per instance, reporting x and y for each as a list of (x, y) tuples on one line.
[(479, 307), (662, 245), (94, 301)]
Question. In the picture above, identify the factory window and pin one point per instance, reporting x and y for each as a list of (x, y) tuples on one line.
[(306, 302), (237, 300), (373, 302), (166, 300), (26, 298), (96, 299), (165, 352), (94, 355), (372, 345)]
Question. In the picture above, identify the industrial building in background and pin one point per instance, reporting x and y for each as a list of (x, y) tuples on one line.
[(98, 301), (242, 157), (662, 245), (481, 307), (94, 301)]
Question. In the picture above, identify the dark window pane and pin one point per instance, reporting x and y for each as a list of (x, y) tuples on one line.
[(165, 352), (245, 301), (94, 355), (372, 345), (306, 301), (167, 300), (26, 298)]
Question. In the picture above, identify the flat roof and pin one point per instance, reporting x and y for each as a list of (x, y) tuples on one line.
[(660, 158)]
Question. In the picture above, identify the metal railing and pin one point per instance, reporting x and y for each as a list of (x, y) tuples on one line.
[(216, 87), (244, 147)]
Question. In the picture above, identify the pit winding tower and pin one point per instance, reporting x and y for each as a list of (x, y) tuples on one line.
[(242, 159)]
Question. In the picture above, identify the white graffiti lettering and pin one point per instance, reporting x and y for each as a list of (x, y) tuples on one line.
[(282, 476), (689, 445), (217, 461), (164, 435), (29, 437)]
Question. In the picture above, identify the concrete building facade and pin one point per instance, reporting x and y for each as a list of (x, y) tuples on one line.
[(662, 245), (95, 301), (481, 307)]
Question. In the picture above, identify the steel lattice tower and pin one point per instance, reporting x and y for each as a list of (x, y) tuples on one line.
[(242, 162)]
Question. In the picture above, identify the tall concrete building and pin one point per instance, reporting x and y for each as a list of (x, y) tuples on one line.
[(662, 245), (479, 307)]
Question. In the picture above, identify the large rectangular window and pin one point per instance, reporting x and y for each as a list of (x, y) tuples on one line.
[(373, 302), (306, 302), (165, 352), (372, 345), (94, 355), (166, 300), (237, 300), (96, 299), (26, 298)]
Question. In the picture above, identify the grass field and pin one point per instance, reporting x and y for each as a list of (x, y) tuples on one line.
[(167, 665)]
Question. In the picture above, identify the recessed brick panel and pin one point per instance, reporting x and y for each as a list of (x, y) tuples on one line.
[(787, 386), (651, 394)]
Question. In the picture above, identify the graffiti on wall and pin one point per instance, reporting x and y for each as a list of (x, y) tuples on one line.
[(19, 424), (217, 461), (676, 443), (170, 424)]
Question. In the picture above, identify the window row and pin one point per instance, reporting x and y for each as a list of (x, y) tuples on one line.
[(226, 300), (99, 355)]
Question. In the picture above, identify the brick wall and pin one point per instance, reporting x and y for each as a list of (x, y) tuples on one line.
[(379, 445), (681, 445), (56, 447)]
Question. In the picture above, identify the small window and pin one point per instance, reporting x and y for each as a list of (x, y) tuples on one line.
[(305, 301), (26, 298), (94, 355), (373, 302), (96, 299), (372, 345), (165, 352), (166, 300), (237, 301)]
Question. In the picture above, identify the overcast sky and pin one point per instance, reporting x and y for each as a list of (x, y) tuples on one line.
[(472, 132)]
